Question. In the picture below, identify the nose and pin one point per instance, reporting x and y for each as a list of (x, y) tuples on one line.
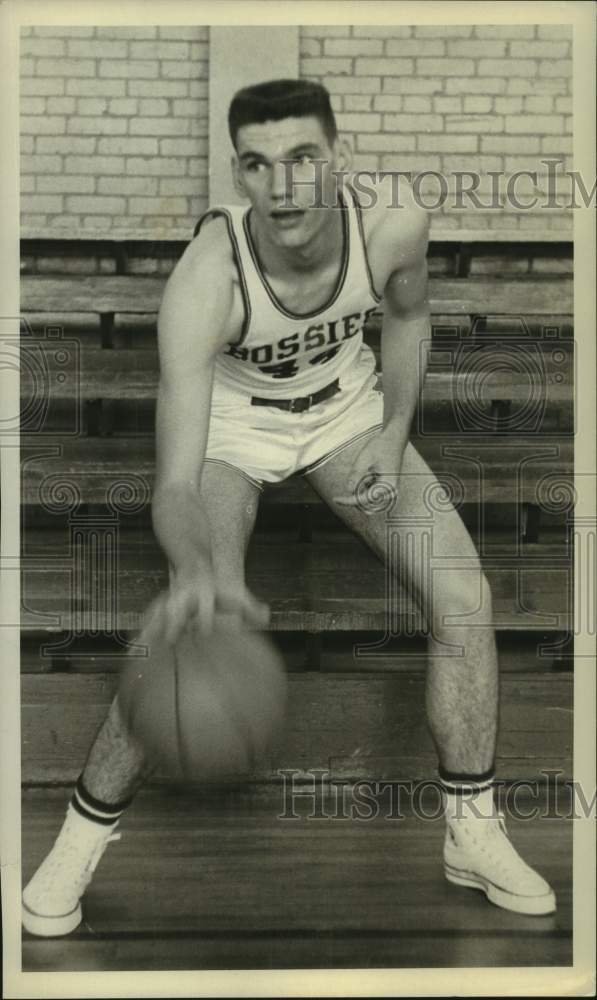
[(281, 181)]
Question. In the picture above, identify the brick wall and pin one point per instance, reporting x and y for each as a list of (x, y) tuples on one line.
[(113, 129), (114, 120), (486, 98)]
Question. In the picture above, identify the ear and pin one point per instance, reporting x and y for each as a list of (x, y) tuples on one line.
[(237, 177), (343, 155)]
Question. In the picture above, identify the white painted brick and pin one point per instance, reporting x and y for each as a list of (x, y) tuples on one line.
[(59, 31), (32, 220), (478, 163), (416, 47), (128, 185), (336, 67), (388, 102), (555, 67), (60, 105), (380, 31), (417, 104), (382, 143), (96, 126), (66, 184), (199, 52), (507, 67), (183, 33), (352, 85), (159, 126), (325, 30), (27, 183), (183, 147), (536, 86), (97, 48), (128, 146), (563, 104), (159, 50), (40, 163), (445, 67), (123, 106), (99, 223), (360, 102), (557, 31), (32, 105), (552, 265), (197, 88), (92, 105), (42, 124), (443, 31), (158, 206), (50, 203), (310, 47), (515, 163), (485, 85), (352, 47), (26, 143), (153, 106), (529, 124), (474, 48), (539, 105), (387, 67), (128, 68), (413, 162), (477, 104), (359, 122), (183, 70), (447, 105), (448, 143), (159, 166), (191, 186), (99, 165), (41, 85), (365, 162), (96, 88), (413, 85), (481, 124), (25, 32), (26, 67), (66, 67), (43, 47), (539, 50), (508, 105), (199, 127), (198, 168), (118, 32), (192, 108), (413, 123), (507, 31), (158, 88), (84, 146), (510, 144), (96, 205), (569, 124)]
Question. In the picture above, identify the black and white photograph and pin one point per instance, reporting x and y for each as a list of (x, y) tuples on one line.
[(303, 533)]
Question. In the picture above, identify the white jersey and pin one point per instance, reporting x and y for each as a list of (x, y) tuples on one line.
[(281, 354)]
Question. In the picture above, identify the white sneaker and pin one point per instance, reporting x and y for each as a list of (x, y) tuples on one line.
[(479, 854), (51, 900)]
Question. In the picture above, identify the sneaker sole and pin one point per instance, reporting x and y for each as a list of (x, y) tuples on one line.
[(54, 926), (535, 906)]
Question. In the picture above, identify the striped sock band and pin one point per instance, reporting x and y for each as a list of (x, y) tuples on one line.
[(465, 784), (105, 813), (467, 795)]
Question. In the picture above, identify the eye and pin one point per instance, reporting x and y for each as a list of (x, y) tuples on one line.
[(253, 166)]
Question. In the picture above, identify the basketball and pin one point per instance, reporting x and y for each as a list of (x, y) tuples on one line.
[(208, 706)]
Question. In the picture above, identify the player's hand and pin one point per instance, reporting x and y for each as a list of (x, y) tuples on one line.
[(373, 481), (195, 600)]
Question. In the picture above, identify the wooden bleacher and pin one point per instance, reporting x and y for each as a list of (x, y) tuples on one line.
[(87, 459)]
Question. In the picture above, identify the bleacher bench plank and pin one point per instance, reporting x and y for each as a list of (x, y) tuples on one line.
[(356, 726), (490, 468), (458, 296), (303, 583)]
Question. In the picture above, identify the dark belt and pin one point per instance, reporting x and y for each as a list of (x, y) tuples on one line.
[(301, 403)]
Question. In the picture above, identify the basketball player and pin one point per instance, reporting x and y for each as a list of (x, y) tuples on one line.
[(264, 374)]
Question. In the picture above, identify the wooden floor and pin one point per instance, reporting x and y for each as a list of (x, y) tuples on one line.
[(217, 881)]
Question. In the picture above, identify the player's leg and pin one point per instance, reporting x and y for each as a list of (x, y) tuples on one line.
[(437, 563), (116, 765)]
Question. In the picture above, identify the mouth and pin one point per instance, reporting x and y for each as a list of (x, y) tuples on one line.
[(286, 218)]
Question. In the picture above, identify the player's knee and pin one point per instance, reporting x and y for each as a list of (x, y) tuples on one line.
[(468, 596)]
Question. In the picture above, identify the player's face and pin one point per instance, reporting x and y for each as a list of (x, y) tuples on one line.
[(285, 168)]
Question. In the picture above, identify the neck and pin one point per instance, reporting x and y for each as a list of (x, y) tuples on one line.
[(311, 256)]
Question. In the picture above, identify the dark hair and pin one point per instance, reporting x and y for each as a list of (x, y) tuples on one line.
[(277, 99)]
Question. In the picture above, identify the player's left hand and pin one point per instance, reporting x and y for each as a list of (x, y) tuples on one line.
[(374, 478)]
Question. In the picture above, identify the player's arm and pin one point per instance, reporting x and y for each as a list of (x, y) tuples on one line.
[(193, 324), (406, 327)]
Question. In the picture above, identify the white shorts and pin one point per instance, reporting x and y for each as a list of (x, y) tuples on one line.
[(266, 444)]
